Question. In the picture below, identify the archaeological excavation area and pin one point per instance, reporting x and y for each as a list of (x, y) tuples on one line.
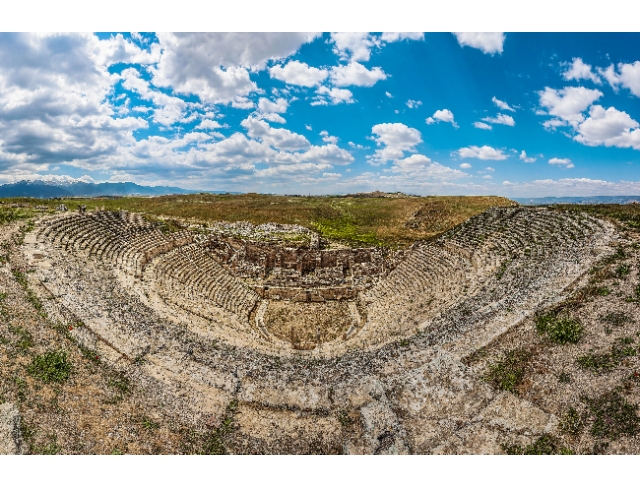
[(279, 340)]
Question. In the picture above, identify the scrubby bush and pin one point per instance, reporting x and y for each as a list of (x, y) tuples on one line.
[(50, 367), (508, 372), (559, 329)]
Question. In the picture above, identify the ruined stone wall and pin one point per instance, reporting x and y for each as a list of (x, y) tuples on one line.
[(275, 265)]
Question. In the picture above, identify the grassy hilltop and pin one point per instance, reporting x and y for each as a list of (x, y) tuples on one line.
[(390, 221)]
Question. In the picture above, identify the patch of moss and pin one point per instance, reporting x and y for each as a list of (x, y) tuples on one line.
[(50, 367)]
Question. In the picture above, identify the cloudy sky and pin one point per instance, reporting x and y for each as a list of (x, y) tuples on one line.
[(516, 114)]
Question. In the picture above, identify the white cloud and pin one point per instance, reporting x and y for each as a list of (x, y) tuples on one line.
[(400, 36), (215, 65), (278, 138), (502, 105), (485, 153), (465, 165), (299, 74), (267, 106), (523, 157), (572, 187), (568, 103), (482, 125), (388, 95), (354, 46), (329, 139), (627, 75), (420, 168), (394, 139), (489, 168), (332, 96), (169, 109), (356, 146), (610, 127), (413, 103), (579, 70), (444, 115), (501, 119), (355, 74), (561, 162), (308, 127), (487, 42), (210, 125)]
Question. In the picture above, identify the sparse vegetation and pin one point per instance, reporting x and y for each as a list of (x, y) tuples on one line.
[(507, 372), (603, 362), (611, 416), (544, 445), (571, 422), (51, 366), (559, 329)]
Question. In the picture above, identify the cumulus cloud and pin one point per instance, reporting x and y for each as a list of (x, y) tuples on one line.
[(444, 115), (525, 158), (52, 110), (329, 139), (332, 96), (578, 70), (299, 74), (355, 74), (422, 168), (277, 138), (413, 103), (354, 46), (610, 127), (626, 75), (502, 105), (169, 109), (401, 36), (394, 139), (561, 162), (568, 103), (215, 65), (501, 119), (465, 165), (485, 153), (487, 42), (482, 125)]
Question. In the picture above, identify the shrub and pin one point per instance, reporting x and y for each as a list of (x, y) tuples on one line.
[(622, 271), (508, 372), (50, 367), (571, 422), (559, 330)]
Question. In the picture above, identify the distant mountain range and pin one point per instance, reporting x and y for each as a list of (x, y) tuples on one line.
[(56, 189), (578, 200)]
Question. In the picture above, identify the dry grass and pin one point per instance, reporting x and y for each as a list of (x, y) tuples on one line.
[(393, 222)]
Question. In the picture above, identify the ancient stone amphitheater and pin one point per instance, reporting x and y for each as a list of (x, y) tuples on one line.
[(319, 348)]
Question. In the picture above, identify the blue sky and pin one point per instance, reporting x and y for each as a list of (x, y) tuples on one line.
[(516, 114)]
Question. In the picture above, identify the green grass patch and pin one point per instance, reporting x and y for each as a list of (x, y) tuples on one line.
[(50, 367), (507, 372), (559, 329)]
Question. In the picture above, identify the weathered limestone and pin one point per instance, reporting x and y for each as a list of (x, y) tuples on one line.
[(10, 434), (368, 345)]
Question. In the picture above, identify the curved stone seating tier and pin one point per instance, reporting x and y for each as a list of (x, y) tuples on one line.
[(200, 273), (505, 258), (126, 240)]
